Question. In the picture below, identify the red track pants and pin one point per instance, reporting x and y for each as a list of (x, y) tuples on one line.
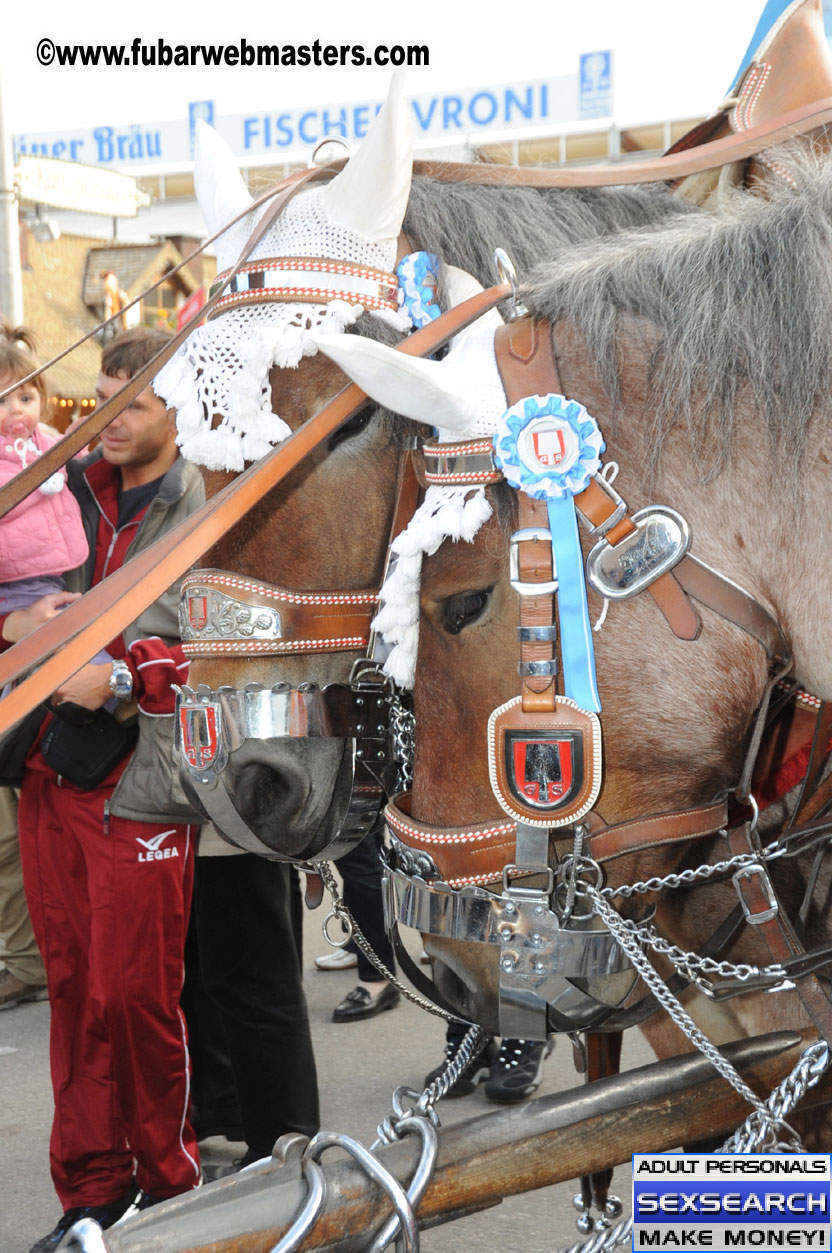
[(110, 912)]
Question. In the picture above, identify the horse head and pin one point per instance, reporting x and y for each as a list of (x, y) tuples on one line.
[(647, 334)]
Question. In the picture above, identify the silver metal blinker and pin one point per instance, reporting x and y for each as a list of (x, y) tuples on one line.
[(659, 542)]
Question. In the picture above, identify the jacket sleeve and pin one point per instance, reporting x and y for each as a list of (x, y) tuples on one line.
[(156, 666)]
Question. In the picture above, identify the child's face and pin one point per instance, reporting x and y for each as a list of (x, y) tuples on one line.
[(19, 411)]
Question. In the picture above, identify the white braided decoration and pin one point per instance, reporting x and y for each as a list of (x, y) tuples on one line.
[(446, 513), (223, 367)]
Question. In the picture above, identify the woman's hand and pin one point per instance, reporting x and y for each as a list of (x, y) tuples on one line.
[(22, 622)]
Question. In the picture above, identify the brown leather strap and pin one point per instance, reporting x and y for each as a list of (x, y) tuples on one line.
[(777, 931), (637, 834), (707, 156), (597, 507), (477, 853), (734, 604), (523, 349), (88, 625), (66, 448), (527, 367)]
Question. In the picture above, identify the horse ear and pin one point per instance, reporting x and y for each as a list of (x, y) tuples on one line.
[(426, 391), (220, 190), (370, 194), (459, 286)]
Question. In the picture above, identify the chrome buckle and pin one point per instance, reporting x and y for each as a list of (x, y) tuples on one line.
[(529, 533), (659, 542), (764, 915), (617, 514)]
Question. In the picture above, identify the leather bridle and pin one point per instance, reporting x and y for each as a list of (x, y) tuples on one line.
[(554, 974)]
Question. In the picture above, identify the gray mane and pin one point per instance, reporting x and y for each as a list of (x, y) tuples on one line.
[(463, 223), (742, 296)]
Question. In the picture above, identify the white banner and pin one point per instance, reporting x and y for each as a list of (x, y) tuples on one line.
[(290, 134)]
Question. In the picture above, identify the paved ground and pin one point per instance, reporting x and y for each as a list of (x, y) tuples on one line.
[(359, 1064)]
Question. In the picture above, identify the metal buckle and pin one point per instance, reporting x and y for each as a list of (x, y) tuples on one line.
[(529, 533), (659, 542), (764, 915), (617, 514)]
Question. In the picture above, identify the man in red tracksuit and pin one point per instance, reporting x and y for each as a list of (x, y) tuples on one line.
[(108, 871)]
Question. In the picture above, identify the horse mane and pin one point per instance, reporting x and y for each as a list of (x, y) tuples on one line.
[(741, 300), (463, 223)]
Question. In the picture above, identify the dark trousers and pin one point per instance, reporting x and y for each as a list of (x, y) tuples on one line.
[(248, 962), (361, 872)]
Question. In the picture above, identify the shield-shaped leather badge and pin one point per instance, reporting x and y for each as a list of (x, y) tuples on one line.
[(545, 768)]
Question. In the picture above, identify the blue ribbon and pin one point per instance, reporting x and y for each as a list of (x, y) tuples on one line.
[(418, 275), (575, 439), (577, 652)]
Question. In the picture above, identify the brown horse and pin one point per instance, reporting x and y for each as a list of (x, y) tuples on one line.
[(326, 527), (703, 350)]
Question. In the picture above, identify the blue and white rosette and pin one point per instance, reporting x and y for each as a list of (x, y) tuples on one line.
[(550, 448), (418, 275)]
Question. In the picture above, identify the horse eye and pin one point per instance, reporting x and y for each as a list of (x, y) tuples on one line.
[(464, 610), (352, 426)]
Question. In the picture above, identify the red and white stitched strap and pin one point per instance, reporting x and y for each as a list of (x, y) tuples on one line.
[(229, 615), (467, 462), (315, 280), (219, 578)]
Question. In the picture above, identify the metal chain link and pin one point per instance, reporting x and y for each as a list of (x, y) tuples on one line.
[(403, 722), (686, 877), (751, 1137), (352, 930), (610, 1238), (691, 963), (669, 1002)]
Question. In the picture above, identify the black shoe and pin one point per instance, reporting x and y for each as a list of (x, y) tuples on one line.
[(478, 1068), (207, 1123), (360, 1004), (104, 1215), (516, 1073)]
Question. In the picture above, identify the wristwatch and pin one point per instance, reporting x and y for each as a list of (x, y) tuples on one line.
[(121, 681)]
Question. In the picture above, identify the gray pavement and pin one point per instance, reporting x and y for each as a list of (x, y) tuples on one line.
[(359, 1064)]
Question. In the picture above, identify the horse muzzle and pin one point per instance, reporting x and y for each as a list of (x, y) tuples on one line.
[(552, 977), (232, 742)]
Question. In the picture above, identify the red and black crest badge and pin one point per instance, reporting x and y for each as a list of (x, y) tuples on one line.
[(545, 768), (198, 734)]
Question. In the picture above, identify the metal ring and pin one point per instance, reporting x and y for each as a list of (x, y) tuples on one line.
[(346, 927), (312, 1206), (506, 273), (329, 139), (421, 1126), (379, 1174)]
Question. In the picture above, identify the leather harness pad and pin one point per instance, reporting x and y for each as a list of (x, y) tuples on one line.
[(545, 768)]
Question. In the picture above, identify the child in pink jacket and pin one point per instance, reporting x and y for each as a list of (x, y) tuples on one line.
[(43, 536)]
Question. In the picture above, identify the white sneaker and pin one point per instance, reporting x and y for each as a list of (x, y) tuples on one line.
[(338, 959)]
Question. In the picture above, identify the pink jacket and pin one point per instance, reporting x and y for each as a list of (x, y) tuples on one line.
[(44, 533)]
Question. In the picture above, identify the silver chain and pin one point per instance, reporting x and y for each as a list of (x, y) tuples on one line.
[(692, 965), (701, 873), (403, 722), (353, 931), (609, 1238), (753, 1135), (669, 1002)]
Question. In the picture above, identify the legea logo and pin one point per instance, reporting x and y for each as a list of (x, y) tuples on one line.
[(153, 847)]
